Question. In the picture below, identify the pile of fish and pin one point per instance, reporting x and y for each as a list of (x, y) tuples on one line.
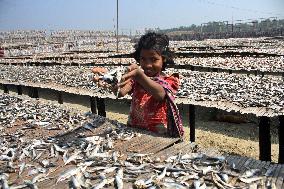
[(266, 45), (90, 160), (99, 47), (240, 89), (31, 114), (69, 76), (264, 64)]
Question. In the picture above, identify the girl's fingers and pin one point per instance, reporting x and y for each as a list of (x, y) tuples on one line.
[(132, 67), (121, 84), (127, 76)]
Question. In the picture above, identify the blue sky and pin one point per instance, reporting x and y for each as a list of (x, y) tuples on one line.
[(133, 14)]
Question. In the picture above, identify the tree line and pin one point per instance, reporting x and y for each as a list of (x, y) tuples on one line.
[(225, 29)]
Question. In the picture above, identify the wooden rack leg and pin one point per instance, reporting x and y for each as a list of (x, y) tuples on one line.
[(19, 90), (59, 97), (93, 105), (101, 106), (192, 122), (5, 88), (262, 74), (35, 92), (30, 92), (264, 139), (281, 139)]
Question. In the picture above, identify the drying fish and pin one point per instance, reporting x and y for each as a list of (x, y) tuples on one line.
[(251, 172), (104, 182), (250, 180), (269, 171), (22, 167), (220, 181), (142, 183), (58, 148), (68, 173), (203, 170), (74, 183), (4, 182), (30, 184), (224, 177), (41, 158), (197, 185), (173, 185), (73, 157), (109, 170), (38, 177), (188, 177), (118, 179), (132, 167), (161, 176)]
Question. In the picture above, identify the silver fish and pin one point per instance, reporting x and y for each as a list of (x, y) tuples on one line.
[(135, 168), (74, 182), (30, 184), (22, 167), (74, 157), (115, 156), (118, 179), (224, 177), (197, 185), (109, 170), (250, 180), (269, 171), (3, 179), (68, 173), (174, 185), (220, 180), (162, 175), (250, 173), (141, 184), (39, 176), (58, 148), (45, 163), (103, 183), (188, 177)]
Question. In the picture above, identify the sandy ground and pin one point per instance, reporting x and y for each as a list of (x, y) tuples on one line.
[(230, 138)]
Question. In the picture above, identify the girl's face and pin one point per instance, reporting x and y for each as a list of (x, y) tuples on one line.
[(151, 62)]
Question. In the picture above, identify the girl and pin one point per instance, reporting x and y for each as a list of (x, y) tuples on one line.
[(152, 104)]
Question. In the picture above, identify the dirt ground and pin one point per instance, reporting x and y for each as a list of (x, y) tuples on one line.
[(230, 138)]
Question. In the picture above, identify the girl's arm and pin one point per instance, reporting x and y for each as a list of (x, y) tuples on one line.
[(155, 89), (125, 88)]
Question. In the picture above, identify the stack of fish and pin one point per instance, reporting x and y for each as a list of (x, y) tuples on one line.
[(32, 114), (90, 160), (240, 89)]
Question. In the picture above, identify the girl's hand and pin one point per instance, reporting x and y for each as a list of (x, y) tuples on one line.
[(133, 73), (98, 71)]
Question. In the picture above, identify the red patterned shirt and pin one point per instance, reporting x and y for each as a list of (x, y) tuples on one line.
[(148, 113)]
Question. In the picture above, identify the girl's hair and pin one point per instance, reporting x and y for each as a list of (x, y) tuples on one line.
[(157, 42)]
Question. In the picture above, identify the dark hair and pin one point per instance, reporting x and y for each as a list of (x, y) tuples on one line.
[(157, 42)]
